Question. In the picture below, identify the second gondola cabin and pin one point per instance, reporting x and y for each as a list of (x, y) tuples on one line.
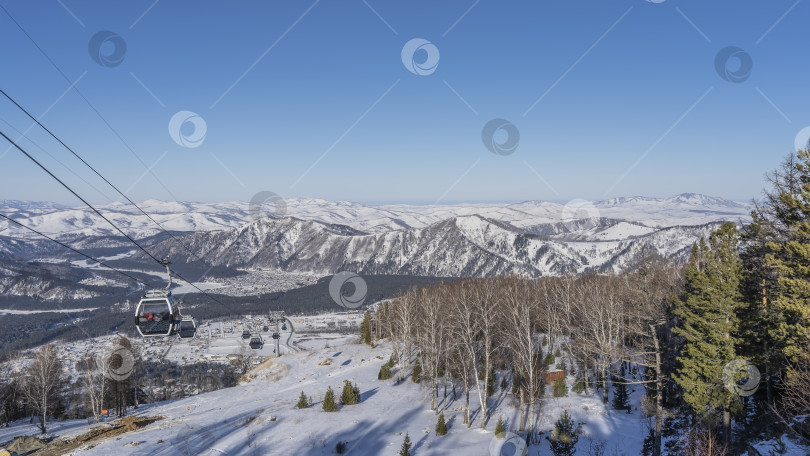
[(157, 314)]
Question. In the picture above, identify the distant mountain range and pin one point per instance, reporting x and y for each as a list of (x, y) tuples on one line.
[(320, 237), (684, 209)]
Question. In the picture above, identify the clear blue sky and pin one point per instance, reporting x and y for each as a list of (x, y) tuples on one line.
[(325, 81)]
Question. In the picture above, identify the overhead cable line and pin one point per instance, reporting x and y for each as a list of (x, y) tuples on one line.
[(111, 185), (72, 249), (105, 218)]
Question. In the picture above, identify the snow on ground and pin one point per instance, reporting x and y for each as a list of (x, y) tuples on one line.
[(259, 418)]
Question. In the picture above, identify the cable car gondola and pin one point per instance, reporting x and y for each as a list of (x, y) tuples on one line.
[(246, 334), (188, 328), (157, 313), (256, 342)]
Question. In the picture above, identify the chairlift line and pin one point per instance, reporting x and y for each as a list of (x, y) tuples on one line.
[(73, 250), (158, 314)]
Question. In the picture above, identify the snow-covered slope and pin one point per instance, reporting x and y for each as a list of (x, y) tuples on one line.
[(259, 417)]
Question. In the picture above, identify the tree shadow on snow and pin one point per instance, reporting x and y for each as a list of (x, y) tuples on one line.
[(368, 394), (366, 437)]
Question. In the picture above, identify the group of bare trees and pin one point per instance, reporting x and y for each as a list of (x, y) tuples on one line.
[(461, 332)]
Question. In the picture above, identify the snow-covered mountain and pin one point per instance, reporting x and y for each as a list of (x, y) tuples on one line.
[(317, 237), (684, 209), (456, 247)]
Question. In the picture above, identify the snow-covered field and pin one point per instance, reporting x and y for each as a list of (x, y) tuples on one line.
[(259, 417)]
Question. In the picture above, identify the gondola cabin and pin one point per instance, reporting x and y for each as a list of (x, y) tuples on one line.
[(256, 342), (246, 334), (188, 328), (157, 314)]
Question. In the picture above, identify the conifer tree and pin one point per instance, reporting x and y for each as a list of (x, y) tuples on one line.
[(365, 329), (405, 450), (709, 325), (560, 389), (329, 404), (790, 261), (564, 437), (350, 394), (385, 372), (620, 398), (500, 428), (416, 373), (303, 401), (441, 426)]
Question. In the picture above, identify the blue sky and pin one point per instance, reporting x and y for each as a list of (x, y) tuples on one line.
[(312, 99)]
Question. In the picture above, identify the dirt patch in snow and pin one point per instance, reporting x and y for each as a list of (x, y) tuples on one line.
[(116, 428), (26, 445)]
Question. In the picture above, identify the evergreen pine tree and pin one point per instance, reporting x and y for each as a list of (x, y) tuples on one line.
[(790, 261), (620, 397), (350, 394), (560, 389), (441, 426), (516, 384), (405, 450), (579, 385), (416, 373), (329, 404), (365, 329), (392, 361), (385, 372), (303, 401), (648, 447), (709, 325), (564, 437), (500, 428)]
